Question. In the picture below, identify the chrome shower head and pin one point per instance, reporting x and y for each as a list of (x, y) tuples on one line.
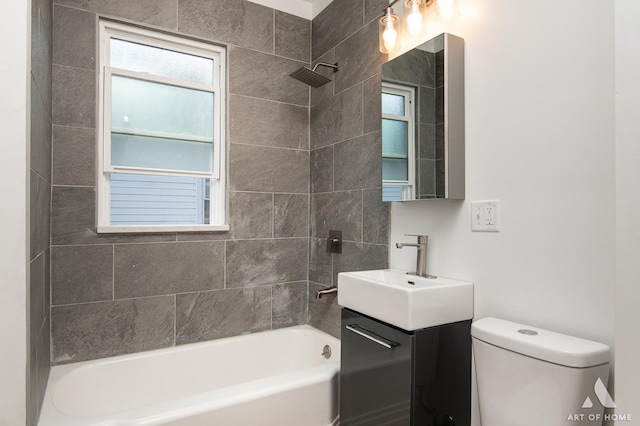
[(311, 77)]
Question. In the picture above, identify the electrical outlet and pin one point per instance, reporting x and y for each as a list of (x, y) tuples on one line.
[(484, 216)]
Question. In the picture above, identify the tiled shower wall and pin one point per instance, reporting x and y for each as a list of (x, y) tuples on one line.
[(346, 169), (114, 294), (40, 200)]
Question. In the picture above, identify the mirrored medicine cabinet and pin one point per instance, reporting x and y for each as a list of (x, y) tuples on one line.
[(423, 122)]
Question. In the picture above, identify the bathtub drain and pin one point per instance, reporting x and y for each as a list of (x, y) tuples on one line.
[(326, 352)]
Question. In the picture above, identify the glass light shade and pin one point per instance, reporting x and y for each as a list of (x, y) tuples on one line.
[(414, 17), (388, 32)]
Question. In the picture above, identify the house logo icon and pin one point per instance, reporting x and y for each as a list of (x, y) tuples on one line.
[(602, 394)]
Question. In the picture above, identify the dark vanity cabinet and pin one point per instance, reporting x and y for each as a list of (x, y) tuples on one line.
[(393, 377)]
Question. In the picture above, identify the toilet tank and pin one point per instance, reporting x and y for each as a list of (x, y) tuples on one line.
[(527, 376)]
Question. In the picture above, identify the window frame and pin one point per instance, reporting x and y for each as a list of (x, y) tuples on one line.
[(218, 175), (409, 95)]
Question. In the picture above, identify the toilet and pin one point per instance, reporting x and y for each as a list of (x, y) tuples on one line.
[(527, 376)]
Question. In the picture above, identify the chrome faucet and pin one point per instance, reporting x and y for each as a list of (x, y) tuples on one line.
[(421, 245)]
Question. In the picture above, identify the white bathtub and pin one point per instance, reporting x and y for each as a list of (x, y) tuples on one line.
[(275, 377)]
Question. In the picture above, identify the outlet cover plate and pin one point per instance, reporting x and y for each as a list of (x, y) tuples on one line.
[(485, 216)]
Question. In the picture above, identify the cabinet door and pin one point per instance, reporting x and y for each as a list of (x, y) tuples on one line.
[(375, 373)]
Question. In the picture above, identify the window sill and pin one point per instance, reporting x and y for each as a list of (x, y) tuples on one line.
[(143, 229)]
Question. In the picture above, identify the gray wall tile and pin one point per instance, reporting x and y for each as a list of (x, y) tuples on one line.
[(39, 221), (340, 211), (41, 46), (261, 122), (440, 178), (104, 329), (289, 304), (360, 257), (73, 220), (357, 162), (427, 142), (254, 168), (40, 135), (322, 169), (258, 262), (415, 66), (334, 24), (293, 36), (37, 296), (324, 314), (337, 119), (375, 220), (74, 38), (162, 13), (359, 57), (39, 201), (81, 274), (372, 114), (216, 314), (74, 151), (355, 212), (427, 180), (265, 76), (154, 269), (74, 96), (238, 22), (374, 9), (427, 104), (33, 407), (251, 215), (291, 215), (204, 236), (43, 361), (321, 262)]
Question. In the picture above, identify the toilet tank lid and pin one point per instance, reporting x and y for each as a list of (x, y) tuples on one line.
[(542, 344)]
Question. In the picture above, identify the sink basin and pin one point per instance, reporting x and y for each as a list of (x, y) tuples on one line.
[(406, 301)]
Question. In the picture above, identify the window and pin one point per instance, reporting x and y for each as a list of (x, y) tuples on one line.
[(398, 142), (161, 156)]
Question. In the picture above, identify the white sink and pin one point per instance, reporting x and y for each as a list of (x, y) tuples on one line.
[(406, 301)]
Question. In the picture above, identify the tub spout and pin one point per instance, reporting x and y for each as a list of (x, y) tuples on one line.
[(329, 290)]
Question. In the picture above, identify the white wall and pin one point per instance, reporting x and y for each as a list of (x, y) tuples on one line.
[(14, 76), (627, 395), (540, 124)]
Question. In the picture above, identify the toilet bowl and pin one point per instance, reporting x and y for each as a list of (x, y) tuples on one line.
[(527, 376)]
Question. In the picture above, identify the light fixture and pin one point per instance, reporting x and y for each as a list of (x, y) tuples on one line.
[(414, 19), (388, 32)]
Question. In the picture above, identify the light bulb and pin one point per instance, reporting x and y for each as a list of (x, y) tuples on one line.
[(446, 9), (414, 20), (389, 36)]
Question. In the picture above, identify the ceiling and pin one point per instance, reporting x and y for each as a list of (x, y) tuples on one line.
[(307, 9)]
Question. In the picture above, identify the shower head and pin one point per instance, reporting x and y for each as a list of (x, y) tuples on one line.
[(311, 77)]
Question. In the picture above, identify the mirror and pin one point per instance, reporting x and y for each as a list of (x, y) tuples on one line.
[(423, 122)]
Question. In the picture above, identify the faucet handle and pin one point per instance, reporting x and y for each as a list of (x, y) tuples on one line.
[(421, 238)]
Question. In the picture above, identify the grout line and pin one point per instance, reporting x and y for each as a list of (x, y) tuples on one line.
[(175, 319), (274, 33), (224, 265), (362, 216), (269, 100), (113, 272), (273, 215), (273, 147)]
